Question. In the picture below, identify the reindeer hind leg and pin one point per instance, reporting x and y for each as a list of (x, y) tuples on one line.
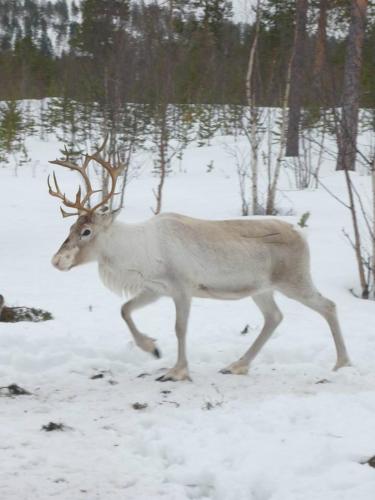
[(307, 294), (272, 318)]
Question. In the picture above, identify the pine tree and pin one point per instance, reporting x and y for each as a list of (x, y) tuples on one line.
[(347, 140)]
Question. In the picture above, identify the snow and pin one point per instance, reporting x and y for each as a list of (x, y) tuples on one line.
[(292, 429), (243, 10)]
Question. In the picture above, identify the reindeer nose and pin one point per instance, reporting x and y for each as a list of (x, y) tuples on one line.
[(55, 261), (62, 261)]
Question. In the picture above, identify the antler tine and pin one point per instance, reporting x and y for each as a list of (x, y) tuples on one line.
[(68, 214), (88, 158), (82, 170), (79, 202), (73, 166), (113, 172), (58, 194)]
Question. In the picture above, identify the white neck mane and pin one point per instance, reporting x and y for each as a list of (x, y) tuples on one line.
[(123, 260)]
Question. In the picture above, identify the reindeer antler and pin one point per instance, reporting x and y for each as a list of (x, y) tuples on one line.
[(80, 202)]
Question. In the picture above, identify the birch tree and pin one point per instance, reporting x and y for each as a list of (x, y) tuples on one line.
[(252, 134), (273, 180)]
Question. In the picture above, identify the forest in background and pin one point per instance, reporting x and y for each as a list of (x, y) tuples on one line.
[(180, 51)]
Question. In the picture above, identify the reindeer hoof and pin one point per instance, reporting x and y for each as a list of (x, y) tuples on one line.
[(235, 369), (156, 353), (342, 364), (164, 378), (174, 375)]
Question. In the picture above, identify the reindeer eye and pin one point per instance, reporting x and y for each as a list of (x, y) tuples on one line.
[(86, 232)]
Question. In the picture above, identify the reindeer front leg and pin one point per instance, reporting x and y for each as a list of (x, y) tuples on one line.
[(180, 371), (143, 341)]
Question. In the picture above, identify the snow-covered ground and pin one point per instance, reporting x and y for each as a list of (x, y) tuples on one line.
[(290, 430)]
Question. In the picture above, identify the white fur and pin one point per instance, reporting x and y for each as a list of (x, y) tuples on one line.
[(181, 257), (126, 259), (125, 283)]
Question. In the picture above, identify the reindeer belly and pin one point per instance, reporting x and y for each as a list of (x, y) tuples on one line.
[(231, 281), (224, 293)]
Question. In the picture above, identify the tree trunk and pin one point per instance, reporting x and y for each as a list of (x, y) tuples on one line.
[(163, 160), (348, 127), (272, 184), (297, 78), (320, 56), (254, 115), (357, 238)]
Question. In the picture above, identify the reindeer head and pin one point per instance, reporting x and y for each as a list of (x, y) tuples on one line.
[(79, 247)]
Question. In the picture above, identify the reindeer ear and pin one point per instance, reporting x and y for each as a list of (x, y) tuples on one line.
[(105, 217), (104, 210), (115, 213)]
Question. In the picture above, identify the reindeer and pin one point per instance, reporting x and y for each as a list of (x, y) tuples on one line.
[(181, 257)]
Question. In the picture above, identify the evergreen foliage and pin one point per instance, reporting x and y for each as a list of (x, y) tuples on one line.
[(180, 51)]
